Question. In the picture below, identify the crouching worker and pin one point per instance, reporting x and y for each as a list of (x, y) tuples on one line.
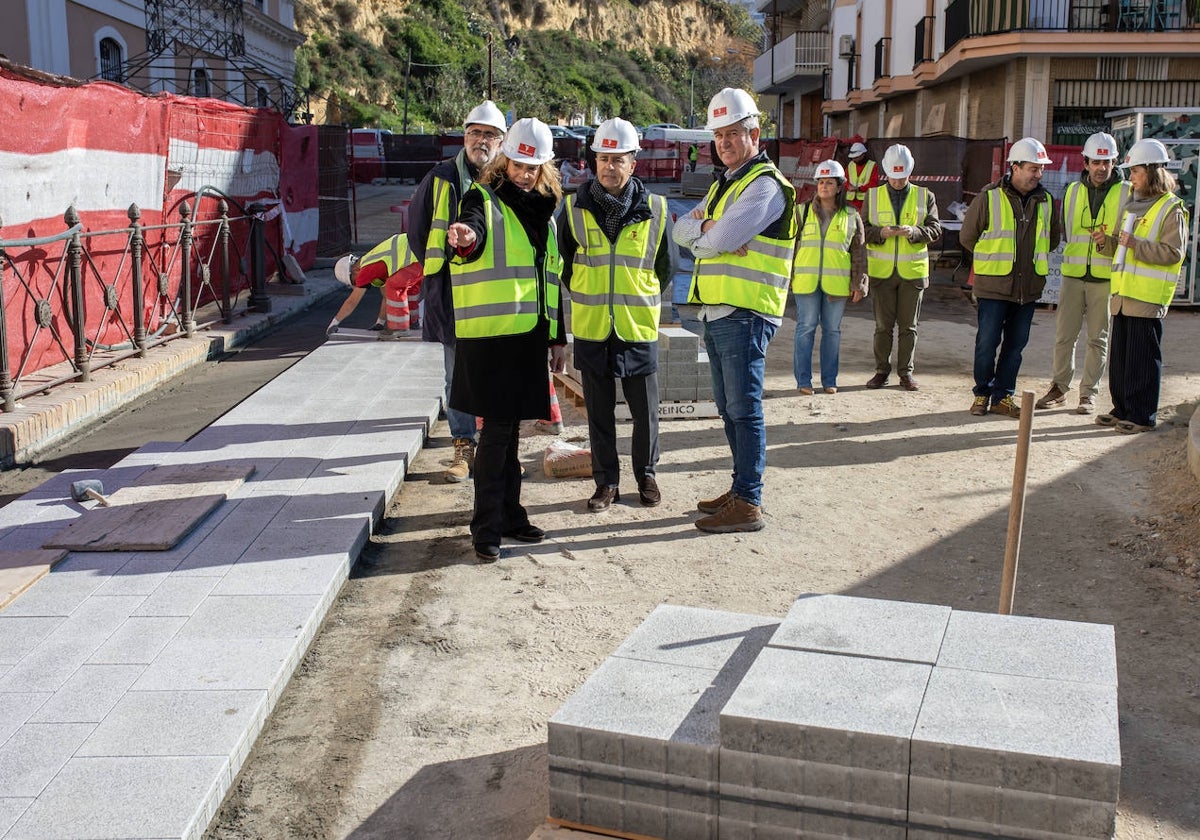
[(390, 264)]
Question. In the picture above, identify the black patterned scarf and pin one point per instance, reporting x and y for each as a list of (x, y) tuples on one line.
[(613, 209)]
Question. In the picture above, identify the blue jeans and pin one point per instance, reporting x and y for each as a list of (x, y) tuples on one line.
[(737, 353), (1005, 325), (812, 309), (462, 425)]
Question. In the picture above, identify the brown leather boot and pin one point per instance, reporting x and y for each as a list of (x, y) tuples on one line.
[(714, 505), (737, 515)]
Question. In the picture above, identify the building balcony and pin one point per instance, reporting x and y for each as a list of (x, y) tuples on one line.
[(974, 18), (796, 64)]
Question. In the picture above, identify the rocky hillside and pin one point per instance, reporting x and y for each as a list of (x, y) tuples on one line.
[(557, 59)]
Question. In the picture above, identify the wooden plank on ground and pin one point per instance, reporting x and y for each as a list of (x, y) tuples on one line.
[(20, 570), (156, 511)]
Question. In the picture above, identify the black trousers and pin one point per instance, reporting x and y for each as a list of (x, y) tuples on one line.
[(497, 482), (600, 399), (1135, 368)]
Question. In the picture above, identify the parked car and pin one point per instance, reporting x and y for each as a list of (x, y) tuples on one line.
[(664, 125), (559, 132)]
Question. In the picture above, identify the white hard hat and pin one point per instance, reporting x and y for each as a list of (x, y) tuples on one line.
[(1029, 150), (1100, 146), (729, 106), (857, 149), (898, 162), (341, 269), (615, 136), (486, 113), (529, 141), (830, 169), (1146, 151)]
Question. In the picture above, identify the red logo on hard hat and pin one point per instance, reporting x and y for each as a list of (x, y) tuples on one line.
[(720, 112), (608, 143), (1103, 151), (526, 149), (898, 168)]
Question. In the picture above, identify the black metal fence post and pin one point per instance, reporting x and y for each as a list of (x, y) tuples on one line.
[(136, 242), (185, 271), (75, 295), (223, 245), (260, 301), (6, 381)]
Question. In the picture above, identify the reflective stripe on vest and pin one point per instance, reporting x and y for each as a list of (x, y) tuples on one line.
[(995, 251), (824, 259), (435, 243), (497, 293), (393, 252), (1145, 281), (758, 281), (1079, 253), (613, 285), (898, 254), (857, 179)]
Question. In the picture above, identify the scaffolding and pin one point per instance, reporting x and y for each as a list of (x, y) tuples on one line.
[(198, 47)]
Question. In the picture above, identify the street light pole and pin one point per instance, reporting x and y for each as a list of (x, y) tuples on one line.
[(692, 101)]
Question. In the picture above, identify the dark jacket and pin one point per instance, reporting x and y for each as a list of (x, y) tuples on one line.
[(507, 377), (437, 323), (1023, 284), (615, 356)]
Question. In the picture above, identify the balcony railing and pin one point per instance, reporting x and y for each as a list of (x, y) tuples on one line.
[(969, 18), (923, 45), (883, 52), (800, 54)]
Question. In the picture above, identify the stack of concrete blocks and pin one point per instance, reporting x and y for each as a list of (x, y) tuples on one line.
[(815, 740), (636, 748), (860, 718), (682, 367), (1017, 735)]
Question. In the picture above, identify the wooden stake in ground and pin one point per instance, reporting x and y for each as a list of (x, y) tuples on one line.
[(1016, 508)]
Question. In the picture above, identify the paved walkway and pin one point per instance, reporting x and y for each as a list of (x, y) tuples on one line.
[(133, 684)]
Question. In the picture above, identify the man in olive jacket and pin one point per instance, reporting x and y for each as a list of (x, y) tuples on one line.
[(1011, 226)]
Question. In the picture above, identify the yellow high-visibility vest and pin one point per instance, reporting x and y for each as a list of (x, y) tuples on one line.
[(824, 259), (497, 293), (996, 249), (758, 281), (1079, 252), (857, 178), (910, 259), (613, 285), (1146, 281), (393, 252)]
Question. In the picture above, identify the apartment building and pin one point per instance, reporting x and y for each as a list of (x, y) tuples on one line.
[(974, 68), (241, 51)]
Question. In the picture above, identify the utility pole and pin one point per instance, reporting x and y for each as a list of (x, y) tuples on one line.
[(489, 96), (407, 71)]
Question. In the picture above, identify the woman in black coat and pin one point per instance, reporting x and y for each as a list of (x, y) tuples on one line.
[(502, 377)]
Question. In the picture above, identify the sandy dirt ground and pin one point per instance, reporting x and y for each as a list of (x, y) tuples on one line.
[(420, 711)]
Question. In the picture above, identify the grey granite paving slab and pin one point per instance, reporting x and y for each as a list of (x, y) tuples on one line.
[(987, 808), (698, 638), (262, 571), (815, 786), (21, 634), (124, 798), (16, 707), (1030, 647), (177, 723), (88, 694), (215, 665), (137, 641), (181, 594), (825, 708), (253, 617), (870, 627), (219, 549), (48, 666), (56, 594), (1020, 733), (11, 808), (36, 752)]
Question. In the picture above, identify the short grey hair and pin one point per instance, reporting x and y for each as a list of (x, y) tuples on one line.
[(749, 123)]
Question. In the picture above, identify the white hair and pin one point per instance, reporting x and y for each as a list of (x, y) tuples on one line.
[(749, 123)]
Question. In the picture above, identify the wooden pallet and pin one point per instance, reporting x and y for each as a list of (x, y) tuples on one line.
[(555, 829)]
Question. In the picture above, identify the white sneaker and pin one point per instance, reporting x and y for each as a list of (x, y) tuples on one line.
[(1087, 405)]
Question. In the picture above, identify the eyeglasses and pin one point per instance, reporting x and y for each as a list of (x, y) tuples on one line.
[(476, 134)]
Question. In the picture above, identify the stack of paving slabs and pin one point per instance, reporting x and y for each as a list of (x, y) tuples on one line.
[(860, 718), (683, 374), (636, 748)]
